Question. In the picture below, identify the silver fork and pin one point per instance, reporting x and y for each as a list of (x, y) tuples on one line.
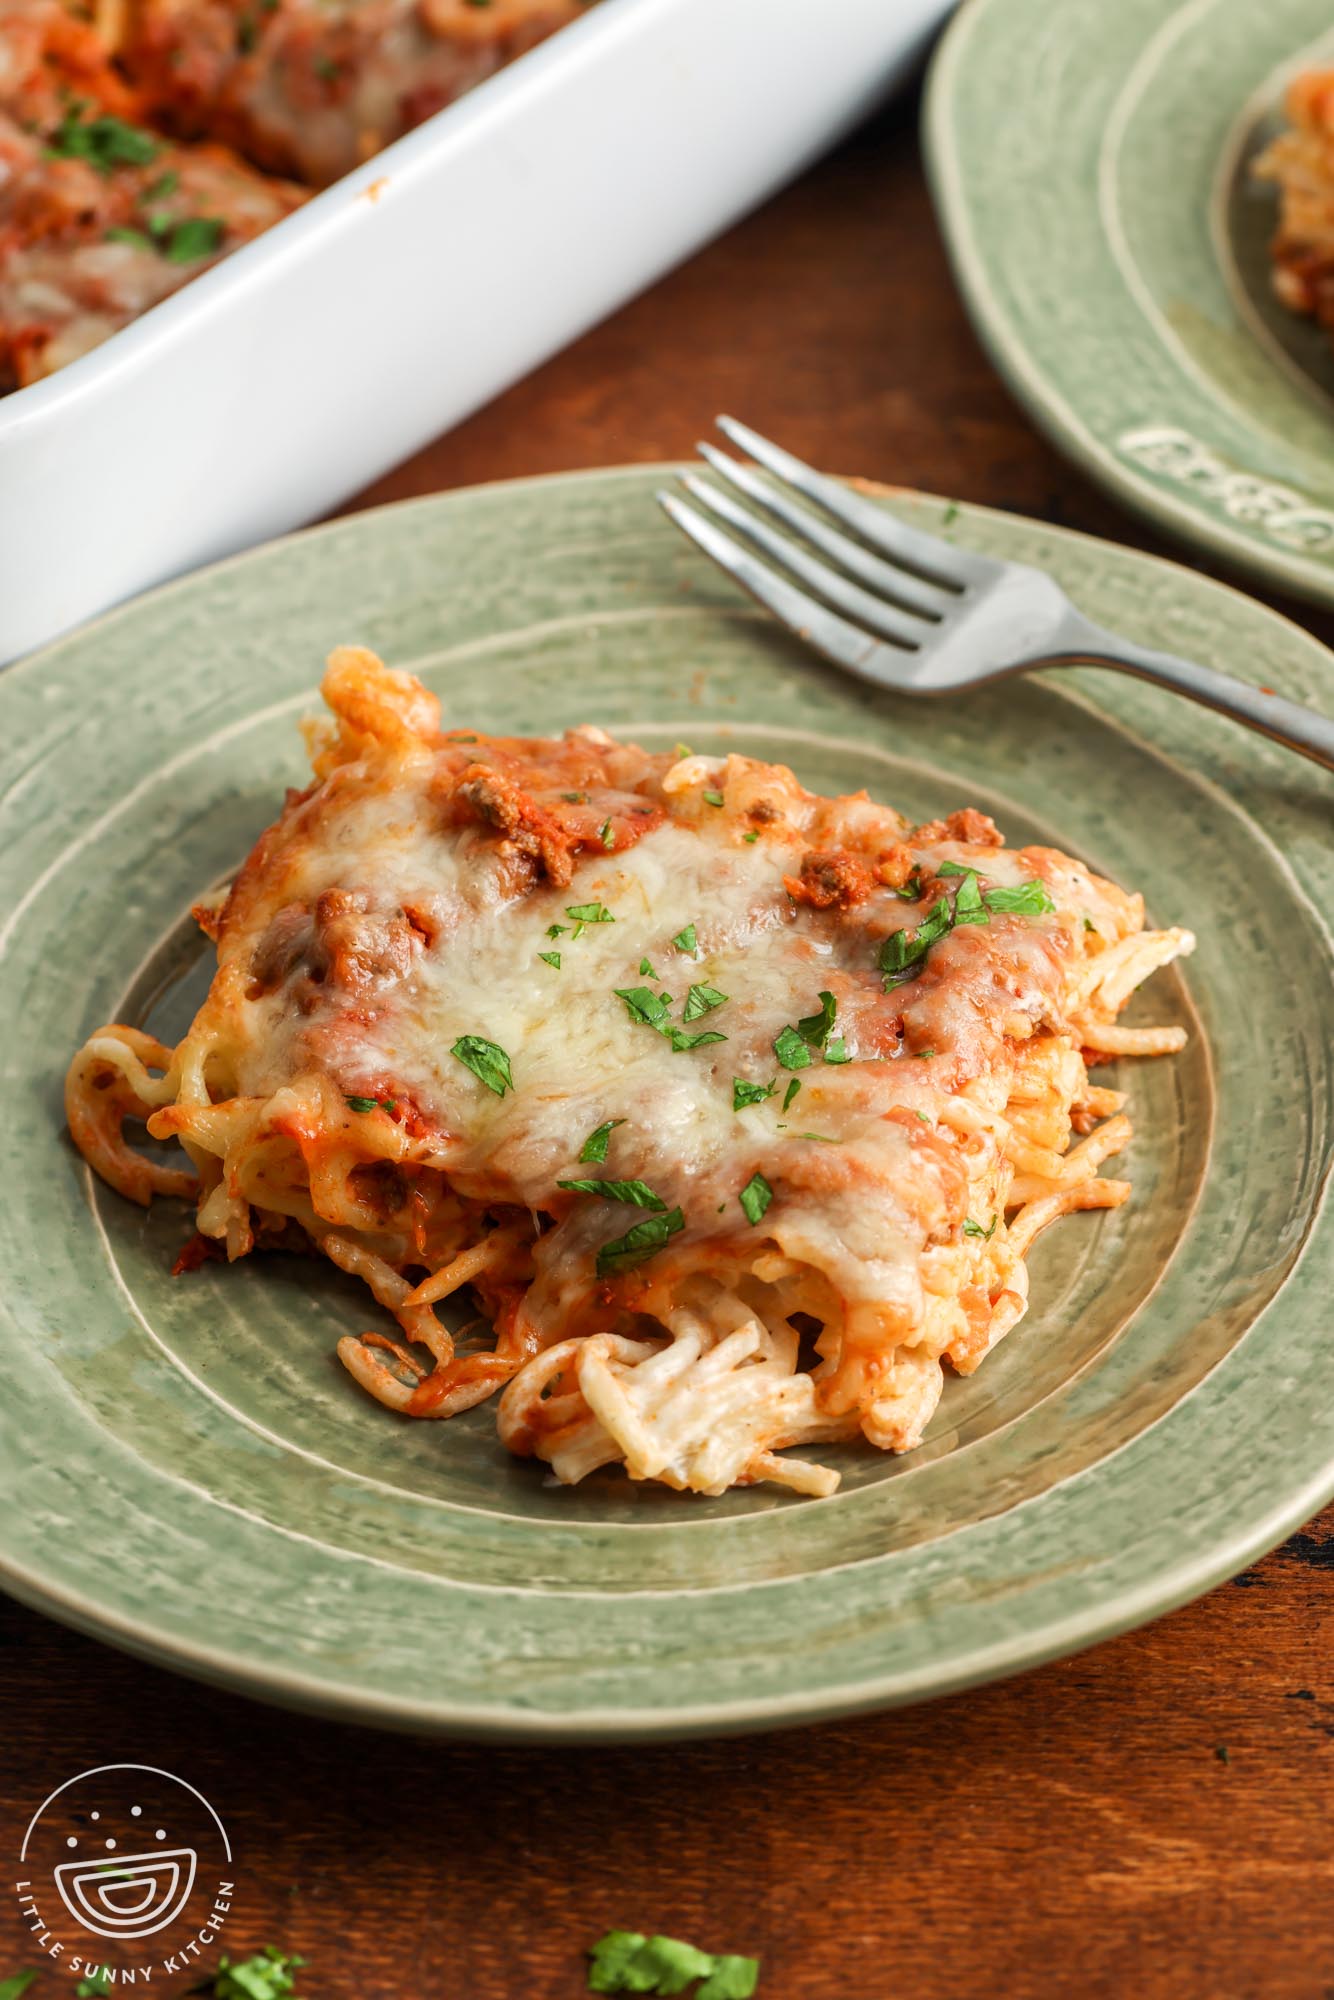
[(908, 611)]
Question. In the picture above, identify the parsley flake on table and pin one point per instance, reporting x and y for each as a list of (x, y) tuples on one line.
[(744, 1093), (755, 1197), (550, 958), (265, 1976), (487, 1061), (593, 1152), (637, 1193), (639, 1242), (629, 1962), (701, 1000), (686, 940)]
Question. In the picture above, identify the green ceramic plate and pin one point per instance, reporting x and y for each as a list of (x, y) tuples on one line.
[(1091, 163), (187, 1471)]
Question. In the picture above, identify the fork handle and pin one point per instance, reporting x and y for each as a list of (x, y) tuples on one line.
[(1301, 729)]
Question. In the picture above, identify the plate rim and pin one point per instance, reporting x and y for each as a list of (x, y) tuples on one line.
[(1077, 1629), (1042, 400)]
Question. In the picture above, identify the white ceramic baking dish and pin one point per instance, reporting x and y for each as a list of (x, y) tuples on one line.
[(412, 291)]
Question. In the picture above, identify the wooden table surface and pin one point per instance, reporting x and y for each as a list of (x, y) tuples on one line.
[(1152, 1818)]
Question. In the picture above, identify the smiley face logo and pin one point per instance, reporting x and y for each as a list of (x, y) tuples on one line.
[(129, 1840)]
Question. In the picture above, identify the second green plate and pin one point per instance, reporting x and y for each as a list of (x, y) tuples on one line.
[(1092, 169)]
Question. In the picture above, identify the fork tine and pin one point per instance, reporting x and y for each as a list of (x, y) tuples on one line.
[(901, 628), (825, 630), (901, 586), (932, 558)]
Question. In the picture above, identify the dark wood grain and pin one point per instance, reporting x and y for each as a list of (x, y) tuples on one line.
[(1153, 1818)]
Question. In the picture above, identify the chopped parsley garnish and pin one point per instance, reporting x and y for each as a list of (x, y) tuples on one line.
[(714, 799), (685, 940), (750, 838), (575, 798), (701, 1000), (198, 236), (922, 1115), (653, 1010), (134, 237), (557, 930), (372, 1103), (755, 1197), (105, 142), (487, 1061), (638, 1193), (266, 1976), (814, 1029), (791, 1092), (629, 1962), (646, 970), (968, 900), (953, 868), (972, 1228), (639, 1241), (550, 958), (594, 1149), (1029, 899), (791, 1050), (589, 913), (823, 1138), (909, 891), (920, 1055), (902, 950), (605, 834), (164, 185), (644, 1005), (836, 1051), (683, 750), (950, 515), (744, 1093)]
